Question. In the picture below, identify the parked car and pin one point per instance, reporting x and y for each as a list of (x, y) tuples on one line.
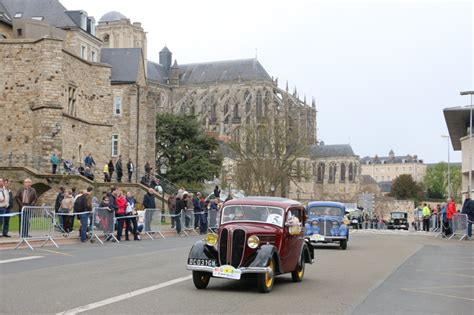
[(257, 235), (398, 220), (326, 223)]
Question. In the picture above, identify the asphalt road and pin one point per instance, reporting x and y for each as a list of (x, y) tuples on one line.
[(378, 274)]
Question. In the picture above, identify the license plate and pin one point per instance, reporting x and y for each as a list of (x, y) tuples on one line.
[(317, 237), (227, 271), (202, 262)]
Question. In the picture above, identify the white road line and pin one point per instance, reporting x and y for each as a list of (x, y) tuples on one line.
[(19, 259), (125, 296)]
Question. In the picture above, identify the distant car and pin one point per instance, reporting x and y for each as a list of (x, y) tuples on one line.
[(398, 220), (256, 235), (326, 223), (355, 219)]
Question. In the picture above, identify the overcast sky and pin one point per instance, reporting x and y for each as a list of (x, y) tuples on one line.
[(381, 71)]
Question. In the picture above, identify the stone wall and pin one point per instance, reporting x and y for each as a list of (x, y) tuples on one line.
[(77, 38)]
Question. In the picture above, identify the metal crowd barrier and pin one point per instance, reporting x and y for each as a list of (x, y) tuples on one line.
[(37, 223), (459, 223), (434, 223), (187, 222), (103, 222), (152, 219)]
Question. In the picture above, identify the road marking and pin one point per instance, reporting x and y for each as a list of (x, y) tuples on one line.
[(19, 259), (125, 296), (446, 273), (55, 252), (439, 294)]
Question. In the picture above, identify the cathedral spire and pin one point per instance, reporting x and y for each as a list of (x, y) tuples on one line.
[(286, 86), (305, 99), (313, 102)]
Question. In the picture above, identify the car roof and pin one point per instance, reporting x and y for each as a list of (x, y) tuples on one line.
[(326, 204), (264, 201)]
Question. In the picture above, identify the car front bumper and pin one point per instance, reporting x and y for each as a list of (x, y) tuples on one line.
[(327, 239), (242, 269)]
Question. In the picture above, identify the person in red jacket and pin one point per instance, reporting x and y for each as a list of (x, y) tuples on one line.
[(121, 207), (450, 211)]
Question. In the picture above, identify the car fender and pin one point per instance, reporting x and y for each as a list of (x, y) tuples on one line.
[(264, 253), (308, 252), (201, 250)]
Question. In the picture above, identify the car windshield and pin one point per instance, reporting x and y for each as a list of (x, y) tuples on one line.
[(325, 211), (398, 215), (272, 215)]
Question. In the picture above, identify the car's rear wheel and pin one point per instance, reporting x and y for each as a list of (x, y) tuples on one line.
[(297, 275), (201, 279), (266, 280), (343, 244)]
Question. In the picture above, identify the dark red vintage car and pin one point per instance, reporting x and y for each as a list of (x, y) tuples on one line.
[(257, 235)]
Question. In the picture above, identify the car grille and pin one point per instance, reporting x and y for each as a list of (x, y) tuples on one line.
[(325, 227), (396, 221), (235, 239)]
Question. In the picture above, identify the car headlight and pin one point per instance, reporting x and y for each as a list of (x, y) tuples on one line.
[(211, 239), (253, 241), (314, 223)]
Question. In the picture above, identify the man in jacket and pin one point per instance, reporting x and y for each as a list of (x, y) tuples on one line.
[(130, 169), (426, 212), (119, 169), (468, 208), (89, 161), (149, 203), (450, 211), (57, 205), (6, 220), (25, 197)]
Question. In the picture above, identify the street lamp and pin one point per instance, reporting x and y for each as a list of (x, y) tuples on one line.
[(469, 188), (163, 170), (272, 188), (449, 170)]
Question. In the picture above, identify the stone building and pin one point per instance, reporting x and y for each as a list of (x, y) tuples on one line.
[(387, 168)]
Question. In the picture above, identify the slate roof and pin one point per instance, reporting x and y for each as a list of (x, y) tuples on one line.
[(222, 71), (367, 180), (331, 150), (125, 63), (4, 17), (52, 11), (156, 72), (390, 160), (385, 187), (112, 16)]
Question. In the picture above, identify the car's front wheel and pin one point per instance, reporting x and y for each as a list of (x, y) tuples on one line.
[(265, 280), (343, 244), (297, 275), (201, 279)]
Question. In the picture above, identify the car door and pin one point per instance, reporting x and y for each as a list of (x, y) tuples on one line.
[(291, 244)]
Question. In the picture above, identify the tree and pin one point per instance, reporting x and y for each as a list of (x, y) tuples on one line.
[(267, 156), (436, 181), (404, 187), (188, 153)]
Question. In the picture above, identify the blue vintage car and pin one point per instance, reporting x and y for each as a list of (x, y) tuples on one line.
[(326, 223)]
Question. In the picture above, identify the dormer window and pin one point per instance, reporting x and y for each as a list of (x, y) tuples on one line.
[(37, 18), (18, 15)]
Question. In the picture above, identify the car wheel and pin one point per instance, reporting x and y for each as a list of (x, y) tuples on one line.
[(265, 280), (343, 244), (297, 275), (201, 279)]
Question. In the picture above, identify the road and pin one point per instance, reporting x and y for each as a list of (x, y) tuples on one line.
[(390, 274)]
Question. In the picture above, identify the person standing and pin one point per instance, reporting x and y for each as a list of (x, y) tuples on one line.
[(89, 161), (468, 208), (6, 220), (119, 169), (172, 208), (54, 162), (57, 205), (426, 212), (106, 173), (129, 212), (130, 170), (217, 192), (67, 208), (111, 169), (25, 197), (149, 203), (121, 209), (148, 169), (4, 201), (180, 208), (450, 211)]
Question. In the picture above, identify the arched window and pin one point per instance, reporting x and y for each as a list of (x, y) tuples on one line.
[(213, 117), (351, 172), (248, 101), (266, 101), (226, 112), (259, 104), (343, 172), (320, 177), (332, 173), (236, 111)]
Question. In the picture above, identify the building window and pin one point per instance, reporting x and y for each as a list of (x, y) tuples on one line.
[(115, 145), (332, 174), (37, 18), (118, 105), (259, 104), (343, 172), (71, 101), (226, 112), (351, 172), (93, 56), (320, 177), (248, 101), (213, 118), (83, 52), (19, 32), (106, 38), (236, 111)]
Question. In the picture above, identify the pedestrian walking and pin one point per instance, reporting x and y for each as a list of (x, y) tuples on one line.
[(6, 220), (54, 162), (130, 169), (111, 169), (426, 212), (25, 197), (119, 169)]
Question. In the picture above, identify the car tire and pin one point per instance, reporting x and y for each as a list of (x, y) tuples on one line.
[(343, 244), (298, 274), (201, 279), (265, 281)]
